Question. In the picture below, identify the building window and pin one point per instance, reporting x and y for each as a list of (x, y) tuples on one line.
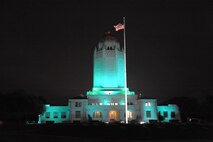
[(147, 104), (148, 114), (129, 114), (165, 114), (129, 103), (63, 115), (172, 114), (77, 104), (47, 114), (97, 114), (55, 114), (77, 114)]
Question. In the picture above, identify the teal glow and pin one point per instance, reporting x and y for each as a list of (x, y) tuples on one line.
[(105, 102), (108, 72), (56, 111), (108, 65), (169, 109), (122, 102), (109, 91)]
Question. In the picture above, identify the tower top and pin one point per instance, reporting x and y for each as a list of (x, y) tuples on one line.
[(107, 33), (108, 42)]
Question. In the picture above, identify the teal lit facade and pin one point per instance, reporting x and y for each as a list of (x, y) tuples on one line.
[(56, 114), (108, 68), (106, 101), (169, 113), (108, 64)]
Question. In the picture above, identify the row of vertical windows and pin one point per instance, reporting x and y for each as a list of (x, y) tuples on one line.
[(78, 104), (98, 114), (111, 104), (55, 115), (165, 114), (110, 48), (147, 104)]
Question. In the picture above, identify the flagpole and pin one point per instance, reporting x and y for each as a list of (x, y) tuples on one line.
[(125, 73)]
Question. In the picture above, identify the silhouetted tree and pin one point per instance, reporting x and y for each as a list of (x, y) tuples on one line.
[(160, 117), (206, 108), (89, 118), (189, 107), (20, 107)]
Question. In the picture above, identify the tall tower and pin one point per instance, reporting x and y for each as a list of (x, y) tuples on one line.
[(108, 71)]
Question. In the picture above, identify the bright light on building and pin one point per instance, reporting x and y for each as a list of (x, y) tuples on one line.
[(129, 114), (142, 122), (147, 104)]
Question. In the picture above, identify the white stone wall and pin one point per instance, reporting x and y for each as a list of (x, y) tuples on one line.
[(80, 108), (146, 105)]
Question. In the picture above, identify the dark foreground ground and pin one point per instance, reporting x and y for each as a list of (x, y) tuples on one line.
[(107, 132)]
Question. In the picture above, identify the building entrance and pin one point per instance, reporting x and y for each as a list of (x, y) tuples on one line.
[(112, 115)]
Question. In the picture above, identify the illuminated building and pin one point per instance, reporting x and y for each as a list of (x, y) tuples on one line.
[(106, 101)]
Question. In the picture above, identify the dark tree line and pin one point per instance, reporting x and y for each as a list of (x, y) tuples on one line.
[(20, 107), (194, 108)]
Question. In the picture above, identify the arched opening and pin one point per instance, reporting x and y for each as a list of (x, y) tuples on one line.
[(129, 114), (113, 115), (97, 114)]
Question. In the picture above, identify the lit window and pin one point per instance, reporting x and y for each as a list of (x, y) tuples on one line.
[(77, 114), (122, 103), (116, 104), (148, 114), (63, 115), (112, 104), (101, 104), (97, 114), (108, 104), (129, 114), (172, 114), (147, 104), (55, 114), (47, 114)]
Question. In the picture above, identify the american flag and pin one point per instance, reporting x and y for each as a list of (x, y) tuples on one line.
[(119, 27)]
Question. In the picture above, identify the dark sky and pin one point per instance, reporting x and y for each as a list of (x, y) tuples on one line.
[(46, 47)]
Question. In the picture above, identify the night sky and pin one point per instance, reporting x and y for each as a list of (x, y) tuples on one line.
[(46, 47)]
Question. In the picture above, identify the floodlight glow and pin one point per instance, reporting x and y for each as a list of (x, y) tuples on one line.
[(142, 122)]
